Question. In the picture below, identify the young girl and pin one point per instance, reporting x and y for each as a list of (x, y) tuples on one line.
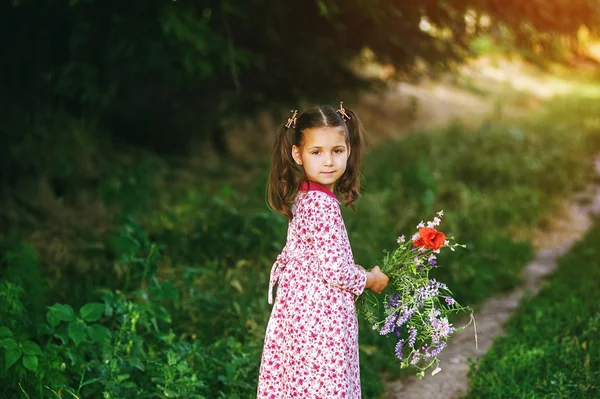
[(311, 343)]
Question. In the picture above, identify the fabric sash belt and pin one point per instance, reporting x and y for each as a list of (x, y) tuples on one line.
[(276, 269)]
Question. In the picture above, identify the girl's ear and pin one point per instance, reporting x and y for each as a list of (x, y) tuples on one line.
[(296, 155), (349, 150)]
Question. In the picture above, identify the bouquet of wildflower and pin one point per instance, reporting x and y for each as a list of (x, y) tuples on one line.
[(417, 308)]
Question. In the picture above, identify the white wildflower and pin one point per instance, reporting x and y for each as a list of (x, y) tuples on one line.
[(421, 225), (441, 213), (401, 239)]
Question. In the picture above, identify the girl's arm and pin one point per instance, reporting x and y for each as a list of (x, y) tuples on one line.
[(326, 228)]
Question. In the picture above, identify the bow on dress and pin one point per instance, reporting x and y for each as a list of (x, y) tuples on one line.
[(276, 269)]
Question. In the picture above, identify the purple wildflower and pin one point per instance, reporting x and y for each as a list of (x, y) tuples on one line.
[(406, 315), (415, 358), (425, 293), (441, 327), (438, 349), (399, 349), (425, 350), (394, 301), (412, 335), (389, 324), (436, 284), (449, 300)]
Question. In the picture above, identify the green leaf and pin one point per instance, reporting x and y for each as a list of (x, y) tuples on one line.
[(31, 348), (98, 333), (30, 363), (93, 380), (58, 313), (123, 245), (5, 332), (13, 352), (8, 343), (77, 331), (137, 363), (91, 311)]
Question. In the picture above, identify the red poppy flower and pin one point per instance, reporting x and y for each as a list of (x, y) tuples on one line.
[(430, 238)]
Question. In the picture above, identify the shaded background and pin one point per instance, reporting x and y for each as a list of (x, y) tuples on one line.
[(134, 140)]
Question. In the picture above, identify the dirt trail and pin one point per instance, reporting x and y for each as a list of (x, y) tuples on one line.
[(573, 221)]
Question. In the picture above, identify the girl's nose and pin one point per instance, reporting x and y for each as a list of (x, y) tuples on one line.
[(329, 161)]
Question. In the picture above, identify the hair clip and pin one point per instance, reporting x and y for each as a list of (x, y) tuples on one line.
[(292, 121), (342, 111)]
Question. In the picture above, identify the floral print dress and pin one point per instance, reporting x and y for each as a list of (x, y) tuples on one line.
[(311, 343)]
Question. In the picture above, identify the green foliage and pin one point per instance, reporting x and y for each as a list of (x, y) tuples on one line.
[(122, 347), (223, 255), (552, 348), (52, 145), (177, 304), (132, 186), (187, 65)]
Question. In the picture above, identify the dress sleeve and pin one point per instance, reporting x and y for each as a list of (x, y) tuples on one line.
[(337, 267)]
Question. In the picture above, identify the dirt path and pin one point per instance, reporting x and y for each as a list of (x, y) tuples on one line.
[(573, 221)]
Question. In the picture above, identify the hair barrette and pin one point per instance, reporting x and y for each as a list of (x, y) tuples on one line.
[(291, 122), (342, 111)]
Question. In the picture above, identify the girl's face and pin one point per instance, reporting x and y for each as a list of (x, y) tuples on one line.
[(323, 155)]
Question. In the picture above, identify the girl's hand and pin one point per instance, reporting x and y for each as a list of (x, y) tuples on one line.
[(376, 280)]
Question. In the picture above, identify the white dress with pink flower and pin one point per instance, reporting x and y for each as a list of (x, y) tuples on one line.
[(311, 342)]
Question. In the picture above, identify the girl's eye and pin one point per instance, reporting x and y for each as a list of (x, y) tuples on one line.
[(338, 151), (316, 152)]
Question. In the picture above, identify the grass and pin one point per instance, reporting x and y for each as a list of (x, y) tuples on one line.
[(552, 347)]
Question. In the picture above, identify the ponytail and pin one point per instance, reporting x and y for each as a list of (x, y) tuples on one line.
[(285, 176), (348, 186)]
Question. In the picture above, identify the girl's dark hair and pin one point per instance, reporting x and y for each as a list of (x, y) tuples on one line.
[(286, 177)]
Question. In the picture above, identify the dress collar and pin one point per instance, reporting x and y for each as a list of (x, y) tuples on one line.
[(308, 185)]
